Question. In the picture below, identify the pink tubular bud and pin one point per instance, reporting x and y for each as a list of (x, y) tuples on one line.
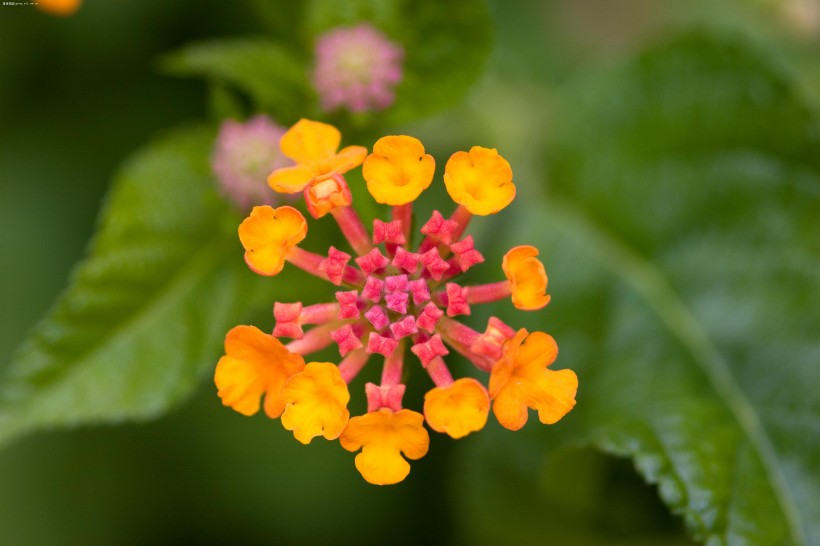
[(397, 301), (429, 317), (377, 317), (373, 289), (379, 344), (395, 283), (457, 300), (372, 262), (404, 328), (439, 229), (491, 342), (429, 350), (388, 232), (386, 396), (348, 302), (434, 264), (346, 339), (287, 317), (334, 265), (419, 290), (408, 261), (466, 254)]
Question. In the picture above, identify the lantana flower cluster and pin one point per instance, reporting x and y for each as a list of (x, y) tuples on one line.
[(392, 296)]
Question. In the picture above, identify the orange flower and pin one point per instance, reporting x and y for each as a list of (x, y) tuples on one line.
[(268, 234), (313, 146), (255, 363), (382, 436), (521, 380), (527, 276), (458, 409), (480, 180), (59, 7), (316, 402), (398, 170), (326, 194)]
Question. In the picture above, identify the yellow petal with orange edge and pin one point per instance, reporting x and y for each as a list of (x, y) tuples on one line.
[(255, 363), (310, 141), (291, 179), (398, 170), (520, 380), (267, 235), (480, 180), (458, 409), (527, 276), (383, 436), (316, 402)]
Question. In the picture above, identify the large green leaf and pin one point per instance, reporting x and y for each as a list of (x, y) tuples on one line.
[(145, 313), (272, 75), (682, 235)]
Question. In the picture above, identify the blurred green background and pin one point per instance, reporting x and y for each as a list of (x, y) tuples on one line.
[(77, 95)]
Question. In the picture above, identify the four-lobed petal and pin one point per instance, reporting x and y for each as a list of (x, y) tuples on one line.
[(480, 180), (398, 170), (255, 363), (527, 276), (268, 234), (314, 146), (316, 402), (457, 409), (521, 380), (383, 436)]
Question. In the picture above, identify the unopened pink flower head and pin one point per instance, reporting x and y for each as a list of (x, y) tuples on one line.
[(357, 67), (244, 155)]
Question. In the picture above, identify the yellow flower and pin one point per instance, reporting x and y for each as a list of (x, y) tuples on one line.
[(480, 180), (268, 234), (398, 170), (255, 363), (521, 380), (59, 7), (313, 146), (527, 276), (316, 402), (383, 436), (458, 409)]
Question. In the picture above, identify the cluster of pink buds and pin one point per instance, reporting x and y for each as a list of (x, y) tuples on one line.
[(393, 296)]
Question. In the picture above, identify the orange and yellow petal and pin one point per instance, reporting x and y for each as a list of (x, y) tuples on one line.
[(310, 141), (480, 180), (255, 363), (521, 380), (268, 234), (527, 276), (383, 436), (327, 193), (316, 402), (291, 179), (398, 170), (348, 158), (458, 409), (59, 7)]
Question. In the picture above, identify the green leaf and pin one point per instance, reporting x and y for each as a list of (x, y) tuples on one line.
[(682, 237), (146, 311), (445, 44), (273, 77)]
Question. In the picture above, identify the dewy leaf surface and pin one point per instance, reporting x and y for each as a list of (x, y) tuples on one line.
[(146, 311), (682, 238)]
